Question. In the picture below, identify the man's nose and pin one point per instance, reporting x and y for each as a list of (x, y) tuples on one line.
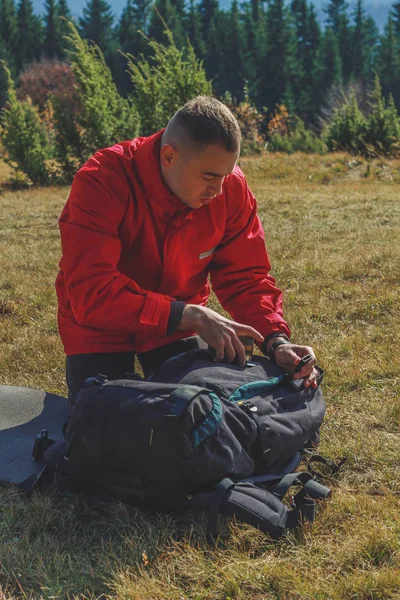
[(216, 186)]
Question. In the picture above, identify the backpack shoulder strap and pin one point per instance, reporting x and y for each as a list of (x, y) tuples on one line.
[(260, 507)]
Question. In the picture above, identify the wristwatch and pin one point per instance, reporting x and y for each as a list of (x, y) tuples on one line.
[(282, 339)]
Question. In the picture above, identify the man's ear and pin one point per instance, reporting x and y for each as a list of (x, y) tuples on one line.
[(168, 155)]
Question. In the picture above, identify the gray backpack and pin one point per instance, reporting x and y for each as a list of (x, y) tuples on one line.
[(198, 434)]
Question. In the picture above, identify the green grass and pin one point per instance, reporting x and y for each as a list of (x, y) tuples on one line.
[(333, 234)]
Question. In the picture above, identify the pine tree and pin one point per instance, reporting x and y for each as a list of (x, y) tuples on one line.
[(388, 62), (335, 11), (254, 38), (51, 45), (331, 64), (127, 24), (96, 25), (390, 49), (4, 80), (300, 26), (299, 11), (314, 67), (275, 59), (345, 37), (63, 15), (208, 10), (371, 43), (233, 66), (166, 13), (212, 27), (361, 62), (314, 30), (130, 31), (180, 9), (137, 13), (338, 21), (279, 61), (63, 11), (133, 20), (214, 43), (194, 30), (29, 35), (395, 16), (8, 31)]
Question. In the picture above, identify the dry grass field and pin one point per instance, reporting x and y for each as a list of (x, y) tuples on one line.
[(332, 228)]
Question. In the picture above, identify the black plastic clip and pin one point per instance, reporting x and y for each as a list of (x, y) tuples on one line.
[(306, 359), (41, 444), (98, 380), (333, 468)]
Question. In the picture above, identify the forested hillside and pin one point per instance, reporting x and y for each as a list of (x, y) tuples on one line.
[(279, 51), (378, 9)]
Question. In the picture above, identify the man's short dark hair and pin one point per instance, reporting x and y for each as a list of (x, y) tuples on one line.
[(202, 122)]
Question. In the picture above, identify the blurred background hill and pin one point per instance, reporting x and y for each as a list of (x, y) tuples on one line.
[(378, 9)]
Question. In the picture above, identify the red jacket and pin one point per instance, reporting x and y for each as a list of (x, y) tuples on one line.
[(130, 248)]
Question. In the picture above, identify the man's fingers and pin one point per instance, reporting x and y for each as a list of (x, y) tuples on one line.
[(309, 383), (250, 331), (219, 353), (240, 351), (312, 380), (304, 371), (290, 357), (230, 352), (232, 349)]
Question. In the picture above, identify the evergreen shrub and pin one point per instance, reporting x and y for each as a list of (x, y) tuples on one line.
[(70, 148), (3, 85), (164, 82), (347, 130), (103, 117), (24, 137), (250, 122), (383, 126), (297, 139), (375, 135)]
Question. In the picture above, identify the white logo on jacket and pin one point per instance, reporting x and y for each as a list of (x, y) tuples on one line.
[(205, 254)]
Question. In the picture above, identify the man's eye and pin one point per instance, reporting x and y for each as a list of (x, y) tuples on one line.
[(207, 178)]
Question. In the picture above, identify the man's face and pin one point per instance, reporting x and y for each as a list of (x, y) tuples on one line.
[(198, 177)]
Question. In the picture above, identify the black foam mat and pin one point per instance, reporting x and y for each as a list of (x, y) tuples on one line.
[(24, 413)]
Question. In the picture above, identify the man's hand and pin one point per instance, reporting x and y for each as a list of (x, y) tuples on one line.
[(219, 333), (288, 357)]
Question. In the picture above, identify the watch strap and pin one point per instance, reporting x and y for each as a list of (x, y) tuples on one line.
[(275, 334), (279, 342)]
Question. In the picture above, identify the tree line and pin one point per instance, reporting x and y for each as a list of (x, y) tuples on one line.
[(45, 138), (273, 51)]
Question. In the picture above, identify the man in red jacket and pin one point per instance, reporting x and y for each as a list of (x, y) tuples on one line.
[(146, 223)]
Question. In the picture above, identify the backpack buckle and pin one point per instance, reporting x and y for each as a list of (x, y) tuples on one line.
[(41, 444), (98, 380), (330, 470), (247, 405)]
